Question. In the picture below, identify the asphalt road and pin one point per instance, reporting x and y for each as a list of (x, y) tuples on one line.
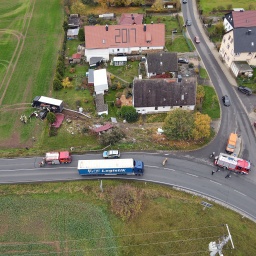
[(184, 172), (234, 118)]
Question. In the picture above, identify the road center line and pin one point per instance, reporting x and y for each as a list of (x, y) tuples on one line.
[(215, 182), (239, 193), (191, 174)]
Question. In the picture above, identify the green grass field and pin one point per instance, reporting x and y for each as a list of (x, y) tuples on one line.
[(207, 6), (37, 37), (75, 218)]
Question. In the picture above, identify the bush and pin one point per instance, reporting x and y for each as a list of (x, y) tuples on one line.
[(111, 137), (126, 201), (51, 118), (129, 114), (57, 84), (53, 131), (114, 87)]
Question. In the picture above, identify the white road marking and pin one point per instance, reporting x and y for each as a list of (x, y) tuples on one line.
[(192, 175), (240, 193), (215, 182)]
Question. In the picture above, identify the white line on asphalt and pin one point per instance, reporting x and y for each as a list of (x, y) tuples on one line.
[(240, 193), (191, 175), (158, 167), (215, 182)]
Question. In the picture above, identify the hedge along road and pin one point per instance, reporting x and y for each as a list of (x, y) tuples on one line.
[(191, 174)]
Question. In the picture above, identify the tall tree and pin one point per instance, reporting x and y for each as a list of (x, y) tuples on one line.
[(81, 35), (179, 124), (202, 126)]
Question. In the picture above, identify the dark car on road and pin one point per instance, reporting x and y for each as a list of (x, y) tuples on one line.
[(188, 22), (182, 60), (226, 100), (245, 90)]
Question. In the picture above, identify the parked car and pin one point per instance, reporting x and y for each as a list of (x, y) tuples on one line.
[(245, 90), (184, 1), (197, 40), (111, 154), (226, 100), (182, 60), (188, 22), (42, 114)]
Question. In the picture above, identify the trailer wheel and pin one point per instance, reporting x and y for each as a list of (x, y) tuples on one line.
[(225, 167)]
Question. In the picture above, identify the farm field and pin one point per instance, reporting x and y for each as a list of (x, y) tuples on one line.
[(76, 218), (30, 41)]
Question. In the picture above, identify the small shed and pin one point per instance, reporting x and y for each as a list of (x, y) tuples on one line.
[(107, 16), (72, 33), (120, 61), (91, 77), (76, 58)]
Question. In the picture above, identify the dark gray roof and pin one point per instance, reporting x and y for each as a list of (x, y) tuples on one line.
[(245, 40), (164, 92), (229, 17), (161, 62), (243, 66), (95, 60), (100, 105)]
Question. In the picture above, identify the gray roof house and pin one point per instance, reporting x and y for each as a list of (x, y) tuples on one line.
[(159, 63), (164, 95)]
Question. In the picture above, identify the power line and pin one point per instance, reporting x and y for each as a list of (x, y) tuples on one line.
[(120, 236), (125, 246)]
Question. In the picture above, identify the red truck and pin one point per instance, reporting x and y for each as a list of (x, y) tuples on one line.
[(63, 157)]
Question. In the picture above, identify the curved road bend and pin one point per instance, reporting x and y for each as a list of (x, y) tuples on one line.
[(234, 118), (179, 171)]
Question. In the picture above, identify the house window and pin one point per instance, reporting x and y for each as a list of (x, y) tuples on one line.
[(118, 50), (224, 40), (229, 37), (148, 48), (237, 54), (249, 53), (180, 106), (231, 41), (156, 108), (228, 46)]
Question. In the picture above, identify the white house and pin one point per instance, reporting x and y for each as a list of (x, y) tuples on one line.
[(102, 41), (100, 81)]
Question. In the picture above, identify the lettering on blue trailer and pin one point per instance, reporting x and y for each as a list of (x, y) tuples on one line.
[(106, 170)]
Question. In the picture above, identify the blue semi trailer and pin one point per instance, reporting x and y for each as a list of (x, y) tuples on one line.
[(110, 167)]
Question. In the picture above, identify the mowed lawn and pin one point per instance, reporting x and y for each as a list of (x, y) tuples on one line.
[(207, 6), (40, 23), (76, 219)]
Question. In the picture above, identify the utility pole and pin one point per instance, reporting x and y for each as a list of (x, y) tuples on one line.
[(215, 248)]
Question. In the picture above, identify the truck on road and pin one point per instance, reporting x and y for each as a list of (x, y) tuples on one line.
[(110, 167), (233, 163), (63, 157)]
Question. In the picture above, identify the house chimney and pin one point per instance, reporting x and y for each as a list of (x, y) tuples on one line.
[(132, 16), (145, 27), (106, 27)]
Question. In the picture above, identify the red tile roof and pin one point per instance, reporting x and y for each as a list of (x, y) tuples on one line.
[(131, 18), (244, 19), (98, 37), (76, 56), (103, 128)]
